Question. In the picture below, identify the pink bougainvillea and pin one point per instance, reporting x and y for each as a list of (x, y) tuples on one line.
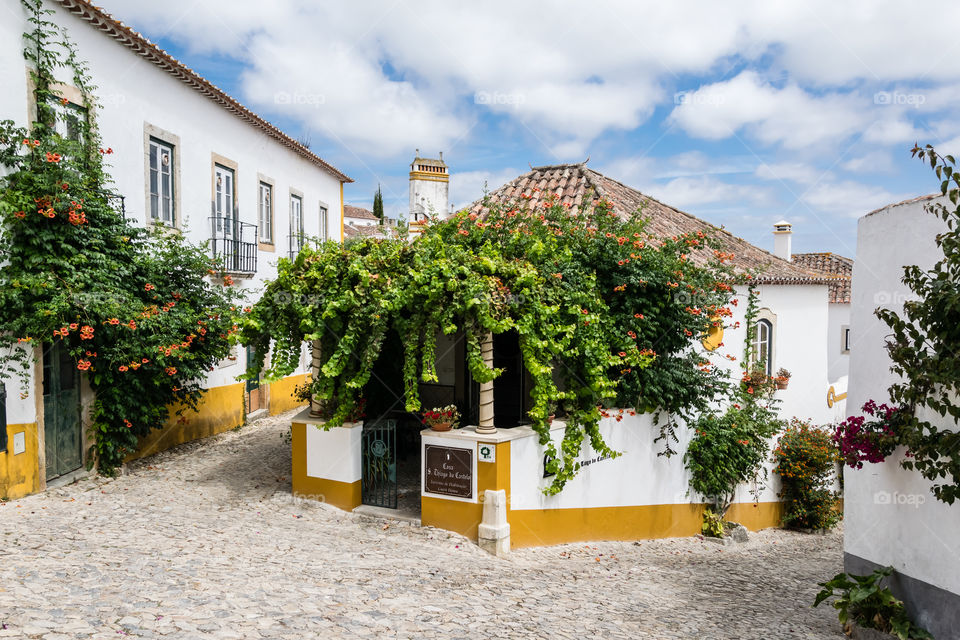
[(861, 440)]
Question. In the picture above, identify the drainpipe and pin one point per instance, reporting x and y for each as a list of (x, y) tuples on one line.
[(486, 389), (315, 409)]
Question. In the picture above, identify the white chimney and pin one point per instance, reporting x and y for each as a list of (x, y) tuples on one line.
[(782, 235)]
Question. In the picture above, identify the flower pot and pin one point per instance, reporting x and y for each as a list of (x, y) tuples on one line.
[(441, 426), (782, 384)]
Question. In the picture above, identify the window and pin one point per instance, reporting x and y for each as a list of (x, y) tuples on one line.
[(266, 213), (68, 121), (323, 223), (762, 348), (161, 182), (844, 339), (223, 198), (296, 225), (296, 218)]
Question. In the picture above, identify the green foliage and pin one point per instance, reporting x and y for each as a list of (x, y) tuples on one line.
[(592, 298), (925, 347), (378, 205), (862, 600), (712, 524), (131, 305), (729, 449), (807, 459)]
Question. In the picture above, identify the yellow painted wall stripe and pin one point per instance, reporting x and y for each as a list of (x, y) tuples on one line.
[(344, 495), (20, 474)]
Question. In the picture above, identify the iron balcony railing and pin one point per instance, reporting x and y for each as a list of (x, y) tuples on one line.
[(234, 243), (297, 241)]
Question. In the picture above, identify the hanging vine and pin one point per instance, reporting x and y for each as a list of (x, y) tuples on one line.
[(131, 306), (592, 298)]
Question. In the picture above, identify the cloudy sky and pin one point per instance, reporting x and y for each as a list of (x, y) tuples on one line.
[(741, 113)]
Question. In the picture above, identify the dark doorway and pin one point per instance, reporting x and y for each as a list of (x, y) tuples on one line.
[(509, 388), (63, 441), (391, 436)]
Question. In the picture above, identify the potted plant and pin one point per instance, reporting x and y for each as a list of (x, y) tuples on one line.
[(442, 418), (783, 378)]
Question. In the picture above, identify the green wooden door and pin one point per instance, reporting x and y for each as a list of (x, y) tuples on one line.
[(61, 412)]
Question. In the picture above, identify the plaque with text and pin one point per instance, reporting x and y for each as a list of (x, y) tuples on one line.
[(448, 471)]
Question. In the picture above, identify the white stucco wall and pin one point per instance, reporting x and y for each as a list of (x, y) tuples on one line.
[(430, 197), (838, 362), (891, 518), (133, 93)]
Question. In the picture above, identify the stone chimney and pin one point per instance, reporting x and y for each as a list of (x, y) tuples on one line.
[(782, 240)]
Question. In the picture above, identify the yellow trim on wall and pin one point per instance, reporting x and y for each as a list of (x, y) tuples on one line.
[(344, 495), (20, 474), (432, 177), (220, 409), (281, 394)]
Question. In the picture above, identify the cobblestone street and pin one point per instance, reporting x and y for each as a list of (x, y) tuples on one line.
[(205, 541)]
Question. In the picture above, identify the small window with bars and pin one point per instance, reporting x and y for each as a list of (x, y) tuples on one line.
[(266, 213)]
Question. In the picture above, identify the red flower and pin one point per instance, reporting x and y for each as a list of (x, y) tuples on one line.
[(122, 367), (148, 287), (114, 321), (83, 365)]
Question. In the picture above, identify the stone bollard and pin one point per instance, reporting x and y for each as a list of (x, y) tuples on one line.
[(494, 531)]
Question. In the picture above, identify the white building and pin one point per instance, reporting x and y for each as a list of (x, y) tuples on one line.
[(429, 188), (186, 155), (891, 518)]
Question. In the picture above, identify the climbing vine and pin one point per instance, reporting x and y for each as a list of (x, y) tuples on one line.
[(925, 347), (131, 306), (592, 298)]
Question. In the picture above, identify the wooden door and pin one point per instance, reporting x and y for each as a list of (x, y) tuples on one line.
[(63, 440)]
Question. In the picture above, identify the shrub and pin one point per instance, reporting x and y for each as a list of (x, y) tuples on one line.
[(860, 599), (729, 449), (806, 463)]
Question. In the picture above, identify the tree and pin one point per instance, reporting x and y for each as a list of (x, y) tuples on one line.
[(378, 205)]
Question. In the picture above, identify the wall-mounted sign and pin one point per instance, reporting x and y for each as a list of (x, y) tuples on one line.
[(19, 442), (448, 471), (486, 452)]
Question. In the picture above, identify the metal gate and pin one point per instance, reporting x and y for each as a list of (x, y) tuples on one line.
[(378, 486)]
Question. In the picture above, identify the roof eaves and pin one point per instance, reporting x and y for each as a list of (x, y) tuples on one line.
[(160, 58)]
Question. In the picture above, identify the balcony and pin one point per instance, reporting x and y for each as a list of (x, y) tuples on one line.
[(234, 244)]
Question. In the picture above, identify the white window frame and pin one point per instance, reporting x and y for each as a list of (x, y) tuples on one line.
[(324, 233), (156, 148), (296, 221), (265, 209), (61, 125), (762, 348)]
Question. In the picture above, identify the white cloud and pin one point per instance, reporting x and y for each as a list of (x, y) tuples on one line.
[(849, 198), (468, 186), (394, 75), (798, 172), (688, 192)]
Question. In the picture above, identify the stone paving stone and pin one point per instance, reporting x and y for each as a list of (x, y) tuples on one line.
[(206, 541)]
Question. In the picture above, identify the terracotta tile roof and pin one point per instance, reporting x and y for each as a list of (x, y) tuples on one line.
[(365, 231), (830, 264), (141, 46), (350, 211), (575, 182)]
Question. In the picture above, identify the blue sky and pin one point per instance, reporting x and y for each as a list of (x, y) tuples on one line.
[(741, 114)]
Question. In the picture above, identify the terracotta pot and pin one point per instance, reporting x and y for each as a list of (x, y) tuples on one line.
[(782, 384), (441, 426)]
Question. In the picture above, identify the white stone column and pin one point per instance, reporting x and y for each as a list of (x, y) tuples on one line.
[(486, 389), (315, 410), (493, 533)]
